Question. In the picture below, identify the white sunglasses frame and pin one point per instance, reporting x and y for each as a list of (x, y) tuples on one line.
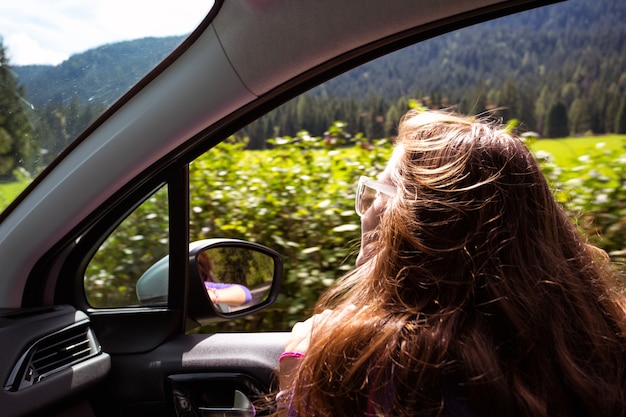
[(373, 184)]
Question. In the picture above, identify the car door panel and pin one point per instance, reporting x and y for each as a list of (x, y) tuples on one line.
[(196, 362), (133, 330)]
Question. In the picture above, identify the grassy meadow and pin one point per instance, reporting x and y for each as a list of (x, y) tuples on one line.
[(566, 153), (298, 198), (582, 158), (9, 191)]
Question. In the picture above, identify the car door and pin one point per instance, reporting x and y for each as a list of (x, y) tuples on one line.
[(246, 58)]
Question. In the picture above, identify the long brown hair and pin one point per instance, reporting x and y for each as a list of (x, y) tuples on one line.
[(480, 293)]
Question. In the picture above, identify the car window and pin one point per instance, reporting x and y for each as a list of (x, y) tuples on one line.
[(119, 274), (62, 65), (288, 180)]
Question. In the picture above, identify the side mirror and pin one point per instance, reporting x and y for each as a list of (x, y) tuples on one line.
[(228, 278), (235, 277)]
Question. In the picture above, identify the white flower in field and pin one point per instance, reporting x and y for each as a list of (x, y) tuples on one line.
[(575, 182), (543, 156), (601, 199), (594, 174), (584, 158), (346, 228), (324, 203), (600, 145), (312, 249)]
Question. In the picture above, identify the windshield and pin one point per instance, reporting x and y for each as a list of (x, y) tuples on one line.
[(64, 63)]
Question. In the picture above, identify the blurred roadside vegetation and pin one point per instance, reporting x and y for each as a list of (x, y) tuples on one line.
[(298, 198)]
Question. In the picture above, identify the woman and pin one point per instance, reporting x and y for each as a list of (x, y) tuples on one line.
[(152, 286), (221, 294), (473, 295)]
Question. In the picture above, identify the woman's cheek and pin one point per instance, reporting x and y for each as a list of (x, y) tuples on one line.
[(369, 222)]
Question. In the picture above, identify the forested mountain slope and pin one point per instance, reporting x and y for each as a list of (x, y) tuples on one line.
[(553, 39), (558, 69), (75, 77)]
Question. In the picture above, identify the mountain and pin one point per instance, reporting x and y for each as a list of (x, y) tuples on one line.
[(548, 40), (518, 46), (75, 77), (571, 54)]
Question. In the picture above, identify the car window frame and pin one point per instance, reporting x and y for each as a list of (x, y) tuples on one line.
[(60, 262)]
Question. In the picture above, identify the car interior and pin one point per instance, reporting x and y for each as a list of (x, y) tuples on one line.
[(70, 352)]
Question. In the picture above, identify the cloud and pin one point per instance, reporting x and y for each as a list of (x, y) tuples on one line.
[(44, 32), (22, 49)]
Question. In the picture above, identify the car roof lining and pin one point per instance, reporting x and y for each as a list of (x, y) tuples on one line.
[(263, 66)]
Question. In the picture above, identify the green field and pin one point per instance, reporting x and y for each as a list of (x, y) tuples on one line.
[(299, 199), (8, 192), (566, 152), (584, 157)]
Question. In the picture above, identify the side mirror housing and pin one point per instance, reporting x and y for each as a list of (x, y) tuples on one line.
[(228, 278)]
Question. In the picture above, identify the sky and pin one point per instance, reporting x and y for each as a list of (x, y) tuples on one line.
[(49, 32)]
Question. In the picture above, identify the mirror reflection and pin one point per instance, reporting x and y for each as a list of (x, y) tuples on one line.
[(235, 278)]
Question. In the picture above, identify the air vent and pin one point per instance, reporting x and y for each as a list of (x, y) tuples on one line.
[(52, 354)]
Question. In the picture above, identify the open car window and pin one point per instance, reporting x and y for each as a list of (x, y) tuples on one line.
[(288, 179)]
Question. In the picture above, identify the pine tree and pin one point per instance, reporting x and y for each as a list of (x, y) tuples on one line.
[(16, 146), (508, 100), (580, 116), (620, 119), (557, 123)]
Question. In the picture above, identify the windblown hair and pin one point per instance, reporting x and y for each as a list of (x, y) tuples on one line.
[(480, 294)]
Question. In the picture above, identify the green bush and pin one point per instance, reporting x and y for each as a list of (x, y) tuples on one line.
[(298, 198), (592, 188)]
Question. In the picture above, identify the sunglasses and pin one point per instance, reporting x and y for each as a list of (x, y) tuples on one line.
[(367, 192)]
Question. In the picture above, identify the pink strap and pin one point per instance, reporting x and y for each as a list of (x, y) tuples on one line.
[(290, 355)]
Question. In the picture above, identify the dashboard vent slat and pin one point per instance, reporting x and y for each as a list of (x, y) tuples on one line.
[(54, 353), (61, 353)]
